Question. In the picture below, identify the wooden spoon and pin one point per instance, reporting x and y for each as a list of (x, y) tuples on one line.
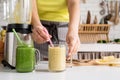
[(116, 13), (112, 12)]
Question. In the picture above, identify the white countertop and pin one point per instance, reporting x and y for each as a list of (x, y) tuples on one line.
[(99, 47), (74, 73)]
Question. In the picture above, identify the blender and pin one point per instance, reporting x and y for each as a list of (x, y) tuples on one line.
[(18, 15)]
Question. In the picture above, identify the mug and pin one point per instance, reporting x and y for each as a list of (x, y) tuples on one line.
[(26, 59), (57, 57)]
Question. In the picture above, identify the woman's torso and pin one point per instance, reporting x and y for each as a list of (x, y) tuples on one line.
[(53, 10)]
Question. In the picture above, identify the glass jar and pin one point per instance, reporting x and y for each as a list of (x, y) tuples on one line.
[(25, 58), (57, 58)]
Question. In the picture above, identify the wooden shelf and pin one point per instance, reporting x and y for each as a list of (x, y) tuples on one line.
[(91, 33)]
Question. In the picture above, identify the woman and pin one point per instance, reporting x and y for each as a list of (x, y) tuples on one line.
[(61, 19)]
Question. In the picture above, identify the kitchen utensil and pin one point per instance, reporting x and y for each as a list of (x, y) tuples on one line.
[(88, 21), (102, 12), (107, 4), (111, 7), (116, 13), (95, 20), (109, 16), (102, 4), (119, 8)]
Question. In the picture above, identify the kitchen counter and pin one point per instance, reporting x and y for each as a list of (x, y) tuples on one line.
[(74, 73)]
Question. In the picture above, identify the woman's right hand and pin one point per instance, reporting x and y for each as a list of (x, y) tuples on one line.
[(39, 35)]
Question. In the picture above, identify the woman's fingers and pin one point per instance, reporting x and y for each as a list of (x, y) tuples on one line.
[(73, 46), (38, 38), (42, 33)]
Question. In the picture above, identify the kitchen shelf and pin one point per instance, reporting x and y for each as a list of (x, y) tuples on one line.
[(91, 33)]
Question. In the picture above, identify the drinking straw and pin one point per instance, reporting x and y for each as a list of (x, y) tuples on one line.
[(50, 41), (18, 38)]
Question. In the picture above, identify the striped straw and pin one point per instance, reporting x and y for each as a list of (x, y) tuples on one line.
[(50, 41)]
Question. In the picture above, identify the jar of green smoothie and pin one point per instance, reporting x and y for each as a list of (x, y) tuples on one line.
[(25, 58)]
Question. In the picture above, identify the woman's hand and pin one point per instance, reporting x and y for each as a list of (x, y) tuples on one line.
[(73, 42), (74, 18), (39, 35)]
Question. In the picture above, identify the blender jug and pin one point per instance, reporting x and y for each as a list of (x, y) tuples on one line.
[(3, 12), (18, 17), (3, 8)]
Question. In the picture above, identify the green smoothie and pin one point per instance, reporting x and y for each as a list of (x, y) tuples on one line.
[(25, 58)]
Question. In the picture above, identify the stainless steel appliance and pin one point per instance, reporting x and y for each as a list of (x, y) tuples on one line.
[(18, 15)]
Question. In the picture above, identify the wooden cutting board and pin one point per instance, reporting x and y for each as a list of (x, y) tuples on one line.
[(89, 63), (82, 63)]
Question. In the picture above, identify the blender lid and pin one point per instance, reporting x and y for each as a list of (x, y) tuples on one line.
[(21, 28)]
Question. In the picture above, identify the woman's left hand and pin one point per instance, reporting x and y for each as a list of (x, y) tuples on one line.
[(73, 42)]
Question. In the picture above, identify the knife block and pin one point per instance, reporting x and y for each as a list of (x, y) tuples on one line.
[(91, 33)]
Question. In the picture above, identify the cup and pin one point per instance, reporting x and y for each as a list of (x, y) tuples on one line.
[(57, 58), (25, 58)]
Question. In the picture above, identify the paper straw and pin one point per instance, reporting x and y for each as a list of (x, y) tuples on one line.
[(17, 36), (51, 44)]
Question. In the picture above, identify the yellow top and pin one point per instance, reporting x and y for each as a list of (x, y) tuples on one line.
[(53, 10)]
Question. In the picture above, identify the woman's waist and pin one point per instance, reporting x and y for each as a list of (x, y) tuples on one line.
[(58, 24)]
